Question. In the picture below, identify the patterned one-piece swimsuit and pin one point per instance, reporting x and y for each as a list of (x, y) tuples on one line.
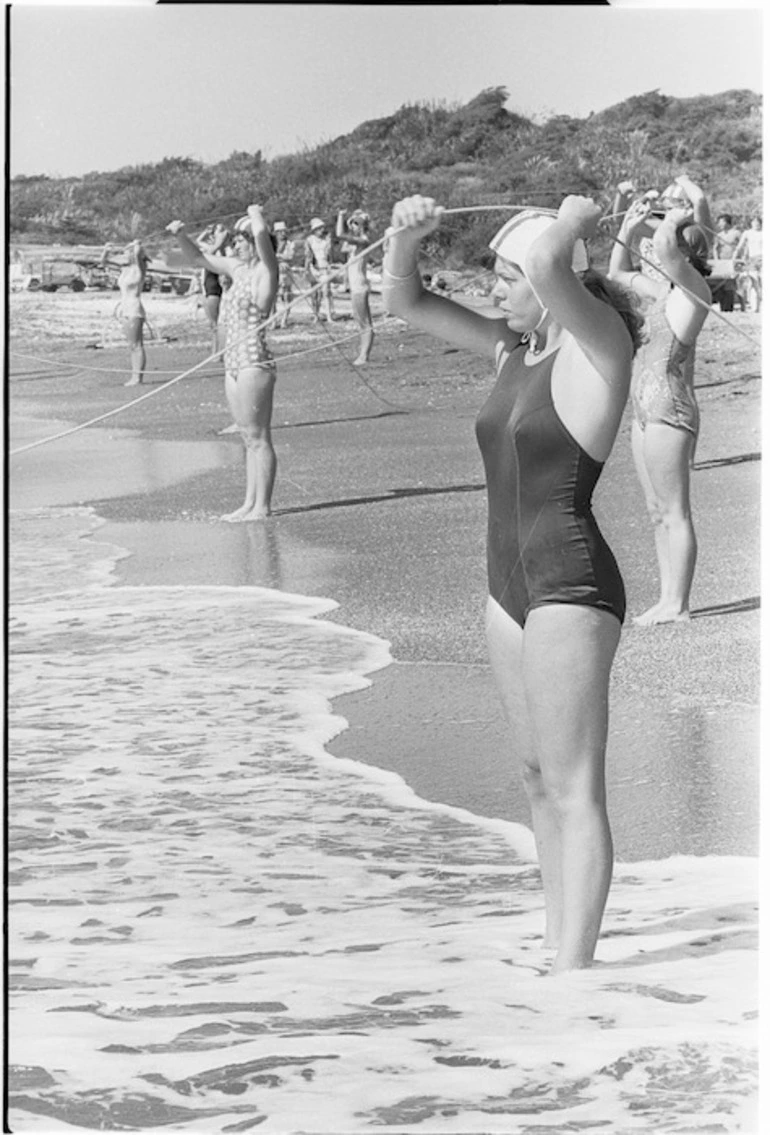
[(244, 326)]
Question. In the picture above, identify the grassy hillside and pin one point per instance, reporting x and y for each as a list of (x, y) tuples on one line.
[(479, 153)]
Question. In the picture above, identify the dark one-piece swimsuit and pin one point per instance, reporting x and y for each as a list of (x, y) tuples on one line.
[(543, 543)]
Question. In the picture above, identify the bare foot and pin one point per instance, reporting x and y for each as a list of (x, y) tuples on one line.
[(360, 362), (239, 514), (659, 614), (133, 382), (257, 514)]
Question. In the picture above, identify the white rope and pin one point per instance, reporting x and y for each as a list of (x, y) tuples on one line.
[(334, 273)]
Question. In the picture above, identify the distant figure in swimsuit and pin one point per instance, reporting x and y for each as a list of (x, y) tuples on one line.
[(749, 248), (666, 418), (355, 237), (284, 251), (249, 366), (562, 340), (318, 259), (212, 241), (727, 237), (131, 283)]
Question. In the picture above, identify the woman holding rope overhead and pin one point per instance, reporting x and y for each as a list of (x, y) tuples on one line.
[(669, 282), (354, 234), (131, 283), (249, 366), (562, 345), (212, 241)]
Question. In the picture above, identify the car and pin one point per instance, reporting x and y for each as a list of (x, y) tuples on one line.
[(58, 273)]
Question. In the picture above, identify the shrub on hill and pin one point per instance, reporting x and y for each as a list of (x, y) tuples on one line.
[(477, 153)]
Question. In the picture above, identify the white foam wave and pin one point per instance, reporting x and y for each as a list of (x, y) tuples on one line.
[(216, 925)]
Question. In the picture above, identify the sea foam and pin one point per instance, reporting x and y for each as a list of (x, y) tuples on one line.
[(217, 925)]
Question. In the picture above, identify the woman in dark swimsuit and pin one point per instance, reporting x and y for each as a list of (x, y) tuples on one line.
[(212, 241), (562, 342), (249, 366)]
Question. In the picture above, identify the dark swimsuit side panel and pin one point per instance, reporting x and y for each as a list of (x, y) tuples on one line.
[(543, 543), (211, 284)]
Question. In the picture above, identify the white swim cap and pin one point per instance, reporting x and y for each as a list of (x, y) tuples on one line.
[(513, 241), (317, 223)]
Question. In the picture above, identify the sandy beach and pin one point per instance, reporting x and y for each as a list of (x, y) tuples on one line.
[(270, 863), (380, 506)]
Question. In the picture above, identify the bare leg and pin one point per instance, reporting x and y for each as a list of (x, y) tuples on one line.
[(553, 677), (659, 534), (135, 337), (286, 298), (251, 402), (211, 307), (315, 299), (505, 642), (327, 298), (567, 655), (363, 317), (665, 459)]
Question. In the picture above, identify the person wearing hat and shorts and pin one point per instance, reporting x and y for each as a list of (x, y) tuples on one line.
[(284, 253), (355, 237), (562, 339), (318, 255), (669, 282)]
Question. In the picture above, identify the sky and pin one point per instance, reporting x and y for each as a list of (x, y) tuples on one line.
[(99, 87)]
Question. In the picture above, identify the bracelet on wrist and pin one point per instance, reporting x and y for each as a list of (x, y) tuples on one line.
[(398, 279)]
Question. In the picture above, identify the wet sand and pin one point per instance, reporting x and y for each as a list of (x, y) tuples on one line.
[(380, 506)]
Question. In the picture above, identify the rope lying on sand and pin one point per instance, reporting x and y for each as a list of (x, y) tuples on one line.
[(334, 273)]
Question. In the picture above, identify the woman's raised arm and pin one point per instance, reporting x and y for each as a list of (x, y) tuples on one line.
[(412, 219), (194, 257), (598, 329)]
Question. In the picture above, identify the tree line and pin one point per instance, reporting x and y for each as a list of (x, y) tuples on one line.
[(471, 154)]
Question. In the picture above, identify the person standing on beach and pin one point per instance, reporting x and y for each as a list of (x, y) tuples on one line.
[(727, 237), (355, 237), (670, 283), (749, 247), (284, 251), (318, 257), (249, 367), (212, 241), (131, 282), (562, 344)]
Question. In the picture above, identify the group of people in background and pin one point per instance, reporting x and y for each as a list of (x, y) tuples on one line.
[(320, 251), (569, 345)]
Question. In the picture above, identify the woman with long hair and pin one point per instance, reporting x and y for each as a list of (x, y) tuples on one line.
[(670, 284)]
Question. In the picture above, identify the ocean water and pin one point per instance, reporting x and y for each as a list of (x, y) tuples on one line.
[(217, 926)]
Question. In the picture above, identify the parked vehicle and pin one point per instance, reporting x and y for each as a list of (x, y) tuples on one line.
[(59, 273), (165, 282)]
